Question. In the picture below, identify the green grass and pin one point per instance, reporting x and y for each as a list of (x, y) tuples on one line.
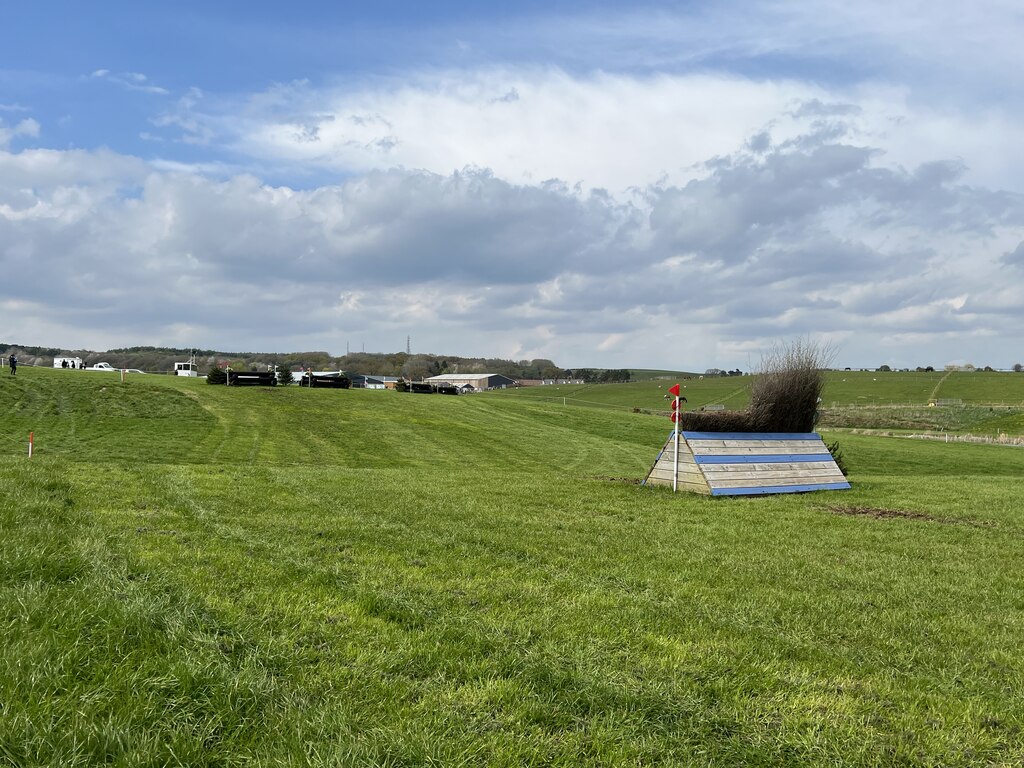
[(985, 387), (368, 578)]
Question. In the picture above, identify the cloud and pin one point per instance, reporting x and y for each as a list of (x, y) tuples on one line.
[(195, 129), (598, 130), (1016, 256), (26, 127), (132, 81), (809, 235)]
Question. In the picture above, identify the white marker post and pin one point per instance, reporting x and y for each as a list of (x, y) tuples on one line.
[(31, 440), (674, 390)]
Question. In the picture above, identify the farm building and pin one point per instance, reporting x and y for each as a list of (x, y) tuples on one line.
[(366, 381), (475, 381)]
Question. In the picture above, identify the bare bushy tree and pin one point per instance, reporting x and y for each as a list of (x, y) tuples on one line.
[(783, 397), (785, 394)]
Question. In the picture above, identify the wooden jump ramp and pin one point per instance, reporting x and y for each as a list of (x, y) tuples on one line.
[(746, 463)]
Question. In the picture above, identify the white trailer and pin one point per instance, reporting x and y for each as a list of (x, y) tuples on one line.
[(67, 362), (187, 369)]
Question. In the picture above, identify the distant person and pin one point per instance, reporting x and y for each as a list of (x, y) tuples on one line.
[(14, 364)]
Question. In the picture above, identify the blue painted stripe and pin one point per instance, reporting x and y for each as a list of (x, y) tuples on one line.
[(770, 458), (751, 435), (764, 489)]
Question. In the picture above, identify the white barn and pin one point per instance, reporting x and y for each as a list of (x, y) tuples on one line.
[(476, 381)]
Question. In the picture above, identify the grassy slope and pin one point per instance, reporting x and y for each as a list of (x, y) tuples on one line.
[(203, 575)]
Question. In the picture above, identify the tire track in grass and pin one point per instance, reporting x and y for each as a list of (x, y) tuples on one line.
[(224, 443), (938, 386)]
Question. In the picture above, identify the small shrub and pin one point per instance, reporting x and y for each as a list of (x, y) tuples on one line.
[(784, 396), (216, 375)]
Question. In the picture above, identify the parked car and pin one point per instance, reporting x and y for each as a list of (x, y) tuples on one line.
[(109, 367)]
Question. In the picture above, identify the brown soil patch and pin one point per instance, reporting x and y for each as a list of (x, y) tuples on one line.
[(628, 480), (880, 513)]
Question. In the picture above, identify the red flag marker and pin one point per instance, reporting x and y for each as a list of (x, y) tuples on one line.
[(674, 390)]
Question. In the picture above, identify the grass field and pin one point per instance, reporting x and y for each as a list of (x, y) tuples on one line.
[(991, 402), (196, 575)]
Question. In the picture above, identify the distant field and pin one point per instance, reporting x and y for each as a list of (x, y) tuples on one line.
[(984, 387), (732, 391), (850, 399), (200, 575)]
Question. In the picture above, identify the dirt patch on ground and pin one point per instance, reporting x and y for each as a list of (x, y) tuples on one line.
[(880, 513), (628, 480)]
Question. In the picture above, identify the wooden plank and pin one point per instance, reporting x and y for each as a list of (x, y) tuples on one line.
[(691, 487), (716, 470), (754, 482), (758, 451), (688, 469), (750, 435), (668, 464), (684, 477), (793, 467), (770, 445), (780, 489), (767, 476), (772, 478), (747, 469), (776, 482), (762, 458)]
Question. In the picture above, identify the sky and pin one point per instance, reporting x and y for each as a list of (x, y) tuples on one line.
[(678, 185)]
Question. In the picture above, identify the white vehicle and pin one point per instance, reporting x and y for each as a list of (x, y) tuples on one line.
[(109, 367), (187, 369)]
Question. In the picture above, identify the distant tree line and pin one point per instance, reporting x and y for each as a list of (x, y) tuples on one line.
[(599, 375), (413, 367)]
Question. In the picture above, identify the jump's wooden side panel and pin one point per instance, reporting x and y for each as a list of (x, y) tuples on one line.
[(690, 477)]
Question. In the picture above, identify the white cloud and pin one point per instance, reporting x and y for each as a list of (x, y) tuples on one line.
[(808, 236), (600, 130), (132, 81), (26, 127)]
